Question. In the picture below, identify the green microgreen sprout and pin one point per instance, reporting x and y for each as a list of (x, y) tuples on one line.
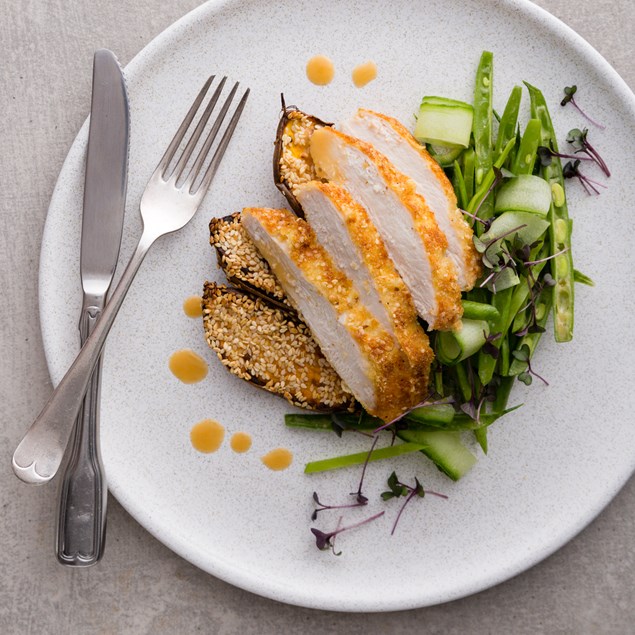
[(569, 92), (398, 489)]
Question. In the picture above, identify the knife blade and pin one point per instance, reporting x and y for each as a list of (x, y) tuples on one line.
[(81, 518)]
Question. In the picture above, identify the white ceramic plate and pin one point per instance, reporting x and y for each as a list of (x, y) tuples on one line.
[(553, 464)]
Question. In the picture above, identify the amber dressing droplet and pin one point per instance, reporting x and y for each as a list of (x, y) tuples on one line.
[(192, 306), (364, 73), (240, 442), (320, 70), (278, 459), (187, 366), (207, 436)]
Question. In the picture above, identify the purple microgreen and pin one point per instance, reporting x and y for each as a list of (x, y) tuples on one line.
[(399, 489), (321, 507), (339, 524), (486, 223), (324, 540), (569, 92), (489, 348), (469, 408), (578, 139), (523, 354), (571, 170), (340, 425), (545, 155), (359, 497), (531, 263)]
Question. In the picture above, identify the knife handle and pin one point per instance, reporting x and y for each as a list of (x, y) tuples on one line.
[(81, 519), (39, 455)]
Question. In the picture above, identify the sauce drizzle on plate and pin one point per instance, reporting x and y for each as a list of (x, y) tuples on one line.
[(278, 459), (240, 442), (207, 436), (320, 70), (188, 366)]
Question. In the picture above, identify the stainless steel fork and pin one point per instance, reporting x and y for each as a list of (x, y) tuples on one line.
[(169, 201)]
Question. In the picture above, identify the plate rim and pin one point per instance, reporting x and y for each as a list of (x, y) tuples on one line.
[(236, 576)]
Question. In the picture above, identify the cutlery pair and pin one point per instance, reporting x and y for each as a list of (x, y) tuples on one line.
[(171, 198)]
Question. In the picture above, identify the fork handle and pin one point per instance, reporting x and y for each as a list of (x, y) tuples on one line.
[(37, 458), (81, 518)]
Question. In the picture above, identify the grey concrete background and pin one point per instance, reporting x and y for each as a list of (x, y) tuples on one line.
[(140, 586)]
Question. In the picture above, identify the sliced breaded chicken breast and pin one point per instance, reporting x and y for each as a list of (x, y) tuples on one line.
[(241, 261), (364, 354), (271, 349), (408, 228), (345, 230), (409, 157)]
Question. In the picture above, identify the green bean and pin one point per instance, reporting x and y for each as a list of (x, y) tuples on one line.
[(479, 311), (480, 434), (361, 457), (468, 173), (560, 231), (482, 126), (502, 394), (487, 363), (507, 126), (462, 380), (458, 183), (488, 181), (543, 306), (504, 355), (526, 155)]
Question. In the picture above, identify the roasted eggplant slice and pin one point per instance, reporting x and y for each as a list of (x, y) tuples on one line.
[(364, 353), (271, 349), (292, 164), (241, 261)]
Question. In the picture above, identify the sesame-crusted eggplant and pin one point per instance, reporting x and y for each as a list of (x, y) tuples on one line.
[(241, 261), (271, 348), (292, 163)]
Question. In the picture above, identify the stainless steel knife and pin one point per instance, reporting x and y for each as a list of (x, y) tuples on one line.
[(83, 493)]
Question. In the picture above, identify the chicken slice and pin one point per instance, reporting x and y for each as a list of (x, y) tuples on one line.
[(241, 261), (363, 353), (271, 349), (410, 158), (343, 227), (408, 228)]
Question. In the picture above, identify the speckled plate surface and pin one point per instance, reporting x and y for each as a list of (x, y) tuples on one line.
[(553, 464)]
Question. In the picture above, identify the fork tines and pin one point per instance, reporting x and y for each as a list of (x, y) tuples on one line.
[(186, 176)]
